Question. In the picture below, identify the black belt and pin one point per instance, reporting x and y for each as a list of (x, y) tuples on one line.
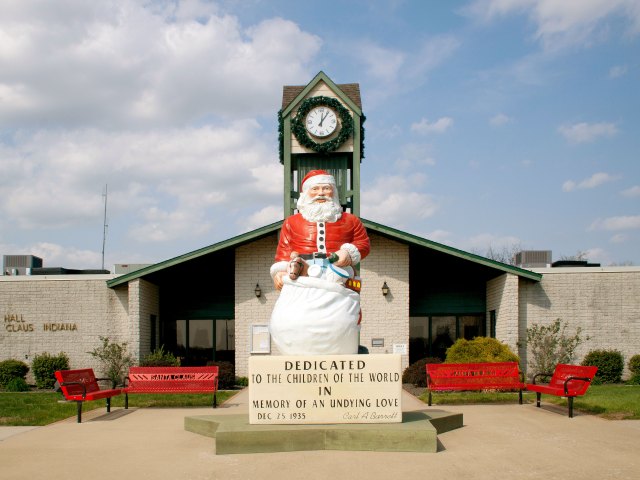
[(311, 256)]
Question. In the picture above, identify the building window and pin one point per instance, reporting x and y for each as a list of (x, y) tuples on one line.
[(201, 341), (431, 336)]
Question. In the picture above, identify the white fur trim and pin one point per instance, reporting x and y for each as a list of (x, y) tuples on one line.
[(318, 180), (354, 253), (278, 267)]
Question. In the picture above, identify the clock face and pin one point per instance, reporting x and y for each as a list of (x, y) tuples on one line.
[(321, 121)]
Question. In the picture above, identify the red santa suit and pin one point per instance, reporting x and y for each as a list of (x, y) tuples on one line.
[(305, 237)]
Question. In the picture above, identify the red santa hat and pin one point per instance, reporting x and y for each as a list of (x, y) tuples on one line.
[(317, 177)]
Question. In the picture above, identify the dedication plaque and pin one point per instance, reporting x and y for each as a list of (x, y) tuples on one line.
[(319, 389)]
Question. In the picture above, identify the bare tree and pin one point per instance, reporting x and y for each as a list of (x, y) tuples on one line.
[(624, 263), (580, 256), (504, 254)]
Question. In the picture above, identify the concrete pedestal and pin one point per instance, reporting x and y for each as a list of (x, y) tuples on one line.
[(234, 434)]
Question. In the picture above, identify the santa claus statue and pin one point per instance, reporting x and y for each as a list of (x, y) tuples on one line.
[(318, 311)]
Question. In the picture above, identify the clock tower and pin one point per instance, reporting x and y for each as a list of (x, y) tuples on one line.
[(320, 127)]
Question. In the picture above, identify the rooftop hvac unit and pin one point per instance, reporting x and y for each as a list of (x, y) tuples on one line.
[(20, 264), (533, 259)]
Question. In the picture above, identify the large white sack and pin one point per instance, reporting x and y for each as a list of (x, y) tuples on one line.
[(315, 317)]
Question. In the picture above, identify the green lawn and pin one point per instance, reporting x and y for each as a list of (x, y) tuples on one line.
[(43, 408), (621, 402)]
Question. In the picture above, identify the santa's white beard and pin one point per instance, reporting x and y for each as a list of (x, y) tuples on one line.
[(311, 211)]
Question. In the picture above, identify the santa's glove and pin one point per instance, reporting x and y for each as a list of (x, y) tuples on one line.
[(344, 258), (296, 268)]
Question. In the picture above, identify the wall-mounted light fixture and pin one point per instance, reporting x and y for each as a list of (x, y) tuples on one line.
[(385, 289), (257, 291)]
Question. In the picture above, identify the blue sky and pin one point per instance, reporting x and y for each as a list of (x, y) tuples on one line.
[(490, 123)]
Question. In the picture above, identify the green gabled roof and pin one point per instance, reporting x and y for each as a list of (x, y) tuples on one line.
[(231, 242), (371, 226), (423, 242), (321, 76)]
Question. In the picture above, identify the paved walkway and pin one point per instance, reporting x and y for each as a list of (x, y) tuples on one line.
[(498, 441)]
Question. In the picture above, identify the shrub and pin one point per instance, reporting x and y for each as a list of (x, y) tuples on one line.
[(226, 374), (610, 364), (17, 384), (634, 364), (160, 358), (10, 369), (242, 381), (44, 366), (634, 368), (480, 349), (549, 345), (114, 358), (416, 373)]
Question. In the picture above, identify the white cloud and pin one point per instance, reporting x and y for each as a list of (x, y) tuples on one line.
[(560, 24), (168, 181), (55, 255), (625, 222), (393, 200), (618, 71), (587, 132), (632, 192), (264, 216), (102, 63), (500, 119), (593, 181), (439, 126)]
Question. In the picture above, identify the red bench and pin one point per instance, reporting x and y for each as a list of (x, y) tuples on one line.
[(566, 381), (171, 380), (474, 376), (81, 386)]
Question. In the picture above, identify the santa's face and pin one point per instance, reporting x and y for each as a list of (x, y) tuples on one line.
[(320, 193), (317, 204)]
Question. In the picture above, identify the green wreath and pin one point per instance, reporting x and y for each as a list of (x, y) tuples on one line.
[(300, 132)]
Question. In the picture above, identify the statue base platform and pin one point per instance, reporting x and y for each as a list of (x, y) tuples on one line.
[(233, 434)]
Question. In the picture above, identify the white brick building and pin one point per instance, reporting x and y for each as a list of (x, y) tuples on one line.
[(202, 316)]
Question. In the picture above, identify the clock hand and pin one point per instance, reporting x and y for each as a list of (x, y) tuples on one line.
[(322, 119)]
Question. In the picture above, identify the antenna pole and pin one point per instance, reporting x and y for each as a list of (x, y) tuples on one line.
[(104, 229)]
